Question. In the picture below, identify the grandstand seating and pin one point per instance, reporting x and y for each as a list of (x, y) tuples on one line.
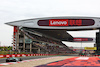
[(50, 48)]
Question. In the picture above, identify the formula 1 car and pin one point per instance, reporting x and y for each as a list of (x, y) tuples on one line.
[(13, 59)]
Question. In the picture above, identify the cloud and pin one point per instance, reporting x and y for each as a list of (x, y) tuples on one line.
[(13, 10)]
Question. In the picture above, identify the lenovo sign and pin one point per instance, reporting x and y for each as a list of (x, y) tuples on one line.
[(65, 22), (58, 22)]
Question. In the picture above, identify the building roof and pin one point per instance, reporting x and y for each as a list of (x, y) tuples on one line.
[(56, 27), (67, 23), (60, 35)]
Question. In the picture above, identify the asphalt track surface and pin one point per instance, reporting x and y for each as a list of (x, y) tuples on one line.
[(67, 61), (3, 60)]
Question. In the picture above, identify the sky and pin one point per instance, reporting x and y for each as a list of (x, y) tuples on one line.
[(12, 10), (88, 33)]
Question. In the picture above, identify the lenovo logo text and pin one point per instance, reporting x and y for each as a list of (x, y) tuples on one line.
[(58, 23)]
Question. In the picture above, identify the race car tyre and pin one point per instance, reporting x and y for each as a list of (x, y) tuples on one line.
[(7, 60), (14, 60), (20, 59)]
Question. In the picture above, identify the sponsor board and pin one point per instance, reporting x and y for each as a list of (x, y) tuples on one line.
[(82, 39), (65, 22), (90, 48), (28, 41)]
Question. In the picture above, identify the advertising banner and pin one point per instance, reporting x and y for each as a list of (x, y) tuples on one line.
[(28, 41), (66, 22), (90, 48)]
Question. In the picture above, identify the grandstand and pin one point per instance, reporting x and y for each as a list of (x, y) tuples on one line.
[(33, 41), (45, 35)]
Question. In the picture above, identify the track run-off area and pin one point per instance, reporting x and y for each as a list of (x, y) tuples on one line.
[(56, 61), (75, 62)]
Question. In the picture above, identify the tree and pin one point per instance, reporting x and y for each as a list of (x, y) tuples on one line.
[(9, 48)]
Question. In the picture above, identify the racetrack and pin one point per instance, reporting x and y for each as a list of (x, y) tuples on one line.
[(3, 60), (59, 61), (38, 62)]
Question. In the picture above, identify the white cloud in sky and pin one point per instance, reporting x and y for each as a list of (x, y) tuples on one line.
[(13, 10)]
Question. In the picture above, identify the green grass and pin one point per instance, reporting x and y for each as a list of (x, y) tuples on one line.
[(12, 52)]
